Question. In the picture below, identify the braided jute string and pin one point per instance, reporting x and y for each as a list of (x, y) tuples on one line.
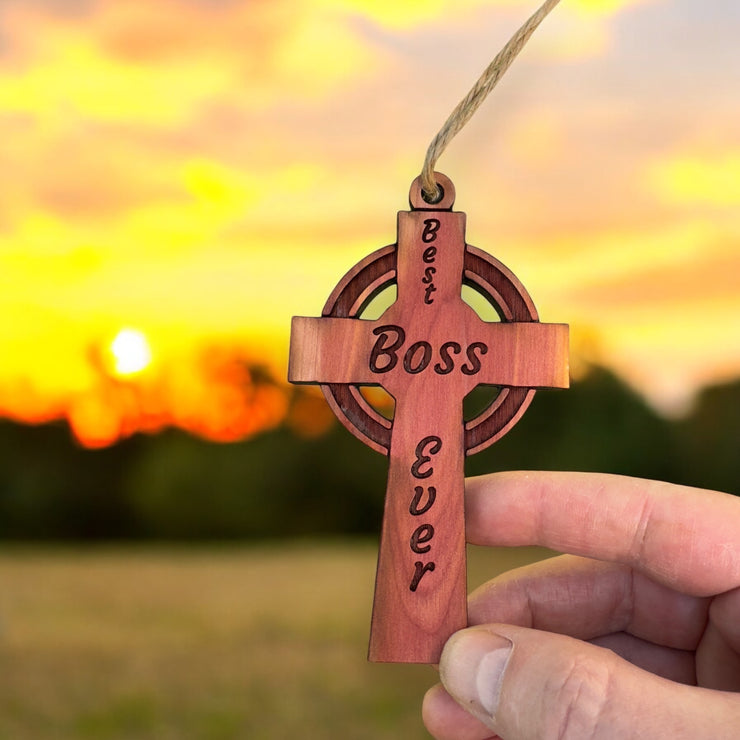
[(478, 93)]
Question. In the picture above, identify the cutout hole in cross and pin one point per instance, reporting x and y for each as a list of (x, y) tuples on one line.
[(382, 300), (478, 400), (379, 399), (480, 303)]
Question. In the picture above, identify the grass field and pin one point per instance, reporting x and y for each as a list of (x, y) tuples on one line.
[(258, 643)]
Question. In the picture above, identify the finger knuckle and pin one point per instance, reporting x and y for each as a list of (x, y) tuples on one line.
[(576, 700)]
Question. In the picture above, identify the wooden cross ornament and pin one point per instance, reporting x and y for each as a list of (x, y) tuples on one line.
[(428, 350)]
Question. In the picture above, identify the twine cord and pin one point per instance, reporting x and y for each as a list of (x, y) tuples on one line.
[(478, 93)]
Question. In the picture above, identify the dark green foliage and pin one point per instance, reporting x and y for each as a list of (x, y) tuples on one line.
[(709, 440), (51, 487), (596, 425), (274, 484), (175, 486)]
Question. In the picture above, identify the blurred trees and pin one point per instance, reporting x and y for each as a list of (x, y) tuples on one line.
[(289, 482), (599, 424)]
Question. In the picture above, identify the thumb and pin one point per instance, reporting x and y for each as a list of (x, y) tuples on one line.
[(525, 684)]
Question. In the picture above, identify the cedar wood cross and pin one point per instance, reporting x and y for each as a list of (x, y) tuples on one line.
[(428, 350)]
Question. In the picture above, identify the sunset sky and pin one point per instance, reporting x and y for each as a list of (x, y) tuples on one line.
[(195, 172)]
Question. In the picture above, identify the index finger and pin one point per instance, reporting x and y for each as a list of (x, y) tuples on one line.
[(686, 538)]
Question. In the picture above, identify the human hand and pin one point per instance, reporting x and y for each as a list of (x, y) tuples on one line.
[(639, 638)]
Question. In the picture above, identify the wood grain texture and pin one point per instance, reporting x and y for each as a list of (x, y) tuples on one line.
[(428, 350)]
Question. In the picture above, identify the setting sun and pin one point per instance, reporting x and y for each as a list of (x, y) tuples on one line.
[(131, 352)]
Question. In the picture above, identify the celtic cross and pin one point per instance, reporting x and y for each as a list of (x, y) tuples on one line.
[(428, 350)]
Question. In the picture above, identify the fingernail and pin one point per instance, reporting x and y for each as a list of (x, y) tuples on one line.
[(472, 669)]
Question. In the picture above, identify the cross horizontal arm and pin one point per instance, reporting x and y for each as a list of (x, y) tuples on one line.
[(524, 354), (329, 350)]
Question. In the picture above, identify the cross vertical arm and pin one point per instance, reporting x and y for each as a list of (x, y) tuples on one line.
[(420, 588)]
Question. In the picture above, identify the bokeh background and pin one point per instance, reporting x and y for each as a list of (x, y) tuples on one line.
[(188, 543)]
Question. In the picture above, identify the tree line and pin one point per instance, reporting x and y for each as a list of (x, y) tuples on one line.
[(280, 483)]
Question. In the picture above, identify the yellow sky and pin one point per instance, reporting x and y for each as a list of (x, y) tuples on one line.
[(202, 170)]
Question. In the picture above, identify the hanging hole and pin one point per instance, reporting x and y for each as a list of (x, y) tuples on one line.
[(478, 400), (379, 399), (379, 303), (443, 199), (432, 200)]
